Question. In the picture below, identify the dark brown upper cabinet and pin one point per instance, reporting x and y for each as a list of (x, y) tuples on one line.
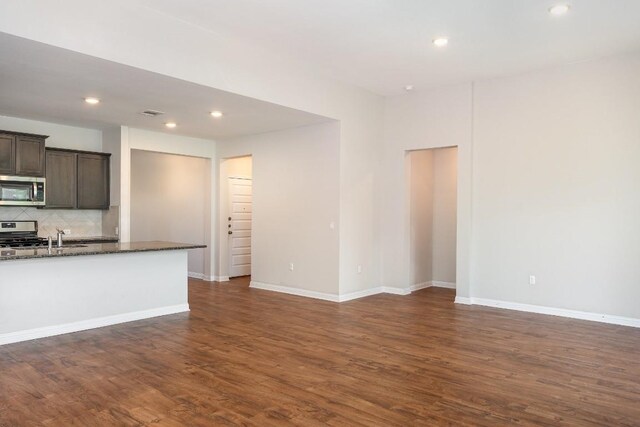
[(7, 154), (77, 179), (30, 156), (22, 154), (93, 181), (62, 177)]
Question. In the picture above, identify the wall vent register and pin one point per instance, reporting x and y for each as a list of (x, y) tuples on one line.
[(152, 113)]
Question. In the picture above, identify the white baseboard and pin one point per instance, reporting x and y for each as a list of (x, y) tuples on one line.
[(294, 291), (329, 297), (360, 294), (83, 325), (346, 297), (604, 318), (552, 311), (206, 278), (395, 291), (432, 284), (419, 286), (446, 285)]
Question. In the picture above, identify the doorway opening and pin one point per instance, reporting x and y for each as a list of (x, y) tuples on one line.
[(170, 201), (432, 176), (236, 206)]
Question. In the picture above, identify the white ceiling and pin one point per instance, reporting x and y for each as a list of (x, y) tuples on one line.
[(41, 82), (383, 45), (380, 45)]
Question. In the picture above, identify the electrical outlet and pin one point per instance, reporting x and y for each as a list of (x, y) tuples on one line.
[(117, 231), (291, 266), (67, 231), (359, 269), (532, 280)]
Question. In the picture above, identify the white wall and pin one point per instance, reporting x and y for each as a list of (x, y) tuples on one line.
[(423, 120), (167, 202), (138, 139), (238, 67), (432, 193), (445, 177), (60, 136), (112, 143), (556, 187), (578, 122), (295, 199), (120, 142), (553, 157), (420, 164), (239, 167)]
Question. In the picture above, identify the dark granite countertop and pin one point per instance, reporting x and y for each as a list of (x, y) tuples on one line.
[(96, 239), (7, 254)]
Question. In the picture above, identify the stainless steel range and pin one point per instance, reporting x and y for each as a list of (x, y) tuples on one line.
[(20, 234)]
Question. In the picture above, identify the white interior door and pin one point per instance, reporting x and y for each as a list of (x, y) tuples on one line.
[(239, 227)]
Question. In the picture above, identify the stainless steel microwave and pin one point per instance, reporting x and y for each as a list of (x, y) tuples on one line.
[(21, 191)]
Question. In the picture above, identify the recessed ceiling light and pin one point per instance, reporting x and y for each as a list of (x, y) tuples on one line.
[(92, 101), (440, 41), (170, 125), (216, 114), (559, 9), (408, 88)]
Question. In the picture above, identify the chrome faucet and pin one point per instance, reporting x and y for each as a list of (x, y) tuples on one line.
[(60, 234)]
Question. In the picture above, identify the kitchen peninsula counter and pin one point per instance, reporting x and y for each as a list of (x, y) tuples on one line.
[(45, 293), (7, 254)]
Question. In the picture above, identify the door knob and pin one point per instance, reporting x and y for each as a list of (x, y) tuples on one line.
[(229, 218), (230, 232)]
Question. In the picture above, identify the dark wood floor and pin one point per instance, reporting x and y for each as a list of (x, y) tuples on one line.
[(251, 357)]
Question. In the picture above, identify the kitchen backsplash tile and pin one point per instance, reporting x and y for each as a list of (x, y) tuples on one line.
[(82, 223), (111, 221)]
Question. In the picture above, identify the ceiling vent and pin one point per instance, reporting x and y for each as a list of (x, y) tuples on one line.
[(152, 113)]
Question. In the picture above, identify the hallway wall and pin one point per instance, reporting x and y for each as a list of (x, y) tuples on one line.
[(432, 194), (445, 170)]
